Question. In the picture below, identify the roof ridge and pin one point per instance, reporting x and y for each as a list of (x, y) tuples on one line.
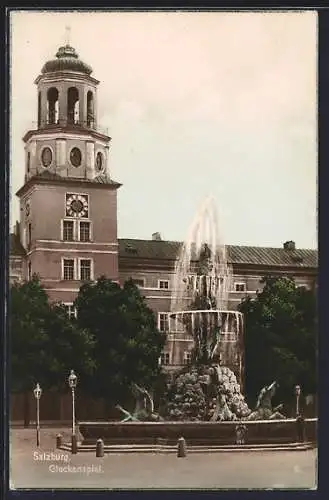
[(227, 245)]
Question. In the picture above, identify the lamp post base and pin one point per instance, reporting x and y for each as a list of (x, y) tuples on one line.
[(74, 444), (300, 424)]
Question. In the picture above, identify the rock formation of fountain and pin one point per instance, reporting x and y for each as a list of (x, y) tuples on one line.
[(210, 387)]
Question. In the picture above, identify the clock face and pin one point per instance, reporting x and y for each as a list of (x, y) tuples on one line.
[(99, 161), (46, 157), (76, 205), (75, 157)]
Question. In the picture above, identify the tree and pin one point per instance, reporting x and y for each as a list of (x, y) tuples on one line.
[(280, 337), (45, 343), (127, 341)]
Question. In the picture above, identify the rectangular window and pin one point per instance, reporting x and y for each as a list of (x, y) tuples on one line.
[(71, 311), (165, 358), (15, 265), (84, 231), (139, 282), (240, 287), (187, 357), (163, 323), (85, 269), (68, 230), (303, 285), (68, 268), (30, 271), (163, 284)]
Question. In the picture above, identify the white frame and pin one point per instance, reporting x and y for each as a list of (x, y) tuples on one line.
[(139, 279), (74, 268), (166, 320), (186, 355), (91, 268), (164, 353), (67, 219), (240, 283), (163, 281), (70, 304), (90, 229), (69, 155), (99, 150), (52, 156)]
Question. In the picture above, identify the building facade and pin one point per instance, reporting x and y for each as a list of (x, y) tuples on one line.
[(67, 232)]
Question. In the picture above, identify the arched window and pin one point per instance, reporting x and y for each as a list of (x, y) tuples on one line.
[(52, 106), (73, 105), (39, 109), (90, 109)]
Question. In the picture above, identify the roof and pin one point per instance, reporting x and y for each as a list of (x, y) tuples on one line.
[(168, 250), (248, 255), (66, 59), (16, 247), (47, 176)]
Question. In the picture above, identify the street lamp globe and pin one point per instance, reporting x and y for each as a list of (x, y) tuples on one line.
[(37, 392), (73, 380)]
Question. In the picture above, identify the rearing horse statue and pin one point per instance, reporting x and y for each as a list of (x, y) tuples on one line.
[(144, 407), (264, 410)]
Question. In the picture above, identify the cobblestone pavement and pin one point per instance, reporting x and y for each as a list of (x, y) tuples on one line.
[(50, 468)]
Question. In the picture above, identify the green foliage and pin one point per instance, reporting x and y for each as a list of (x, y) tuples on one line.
[(280, 337), (127, 341), (45, 343)]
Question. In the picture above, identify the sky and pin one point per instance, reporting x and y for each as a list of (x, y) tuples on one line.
[(197, 104)]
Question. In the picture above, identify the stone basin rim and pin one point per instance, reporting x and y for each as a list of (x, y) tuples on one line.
[(193, 423)]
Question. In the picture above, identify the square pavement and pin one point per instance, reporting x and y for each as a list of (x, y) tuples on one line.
[(48, 468)]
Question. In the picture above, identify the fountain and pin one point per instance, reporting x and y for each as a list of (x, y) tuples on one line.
[(204, 401), (211, 389)]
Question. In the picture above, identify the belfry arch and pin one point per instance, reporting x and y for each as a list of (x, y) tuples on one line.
[(52, 106), (90, 109), (73, 105), (39, 109)]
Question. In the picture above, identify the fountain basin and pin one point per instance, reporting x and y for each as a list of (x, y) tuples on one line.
[(208, 434)]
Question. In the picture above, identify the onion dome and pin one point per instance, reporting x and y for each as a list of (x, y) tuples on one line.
[(67, 59)]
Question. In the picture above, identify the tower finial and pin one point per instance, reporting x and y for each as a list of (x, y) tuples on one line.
[(67, 35)]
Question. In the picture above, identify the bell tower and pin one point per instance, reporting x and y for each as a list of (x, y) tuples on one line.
[(67, 139), (68, 203)]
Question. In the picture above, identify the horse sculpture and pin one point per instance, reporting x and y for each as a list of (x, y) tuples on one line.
[(264, 410), (144, 406)]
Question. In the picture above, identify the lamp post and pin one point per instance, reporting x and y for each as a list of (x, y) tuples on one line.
[(299, 417), (37, 394), (73, 380), (297, 392)]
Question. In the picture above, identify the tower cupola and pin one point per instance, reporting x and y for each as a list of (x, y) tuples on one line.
[(67, 59), (67, 92), (67, 140)]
